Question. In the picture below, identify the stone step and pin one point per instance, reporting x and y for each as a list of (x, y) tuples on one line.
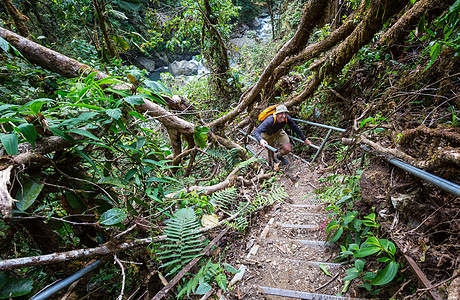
[(298, 231), (295, 249), (299, 294), (302, 277), (300, 217)]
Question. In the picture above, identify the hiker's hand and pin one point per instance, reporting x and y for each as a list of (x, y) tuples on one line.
[(307, 142), (263, 143)]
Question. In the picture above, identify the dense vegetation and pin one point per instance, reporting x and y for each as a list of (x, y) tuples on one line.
[(102, 158)]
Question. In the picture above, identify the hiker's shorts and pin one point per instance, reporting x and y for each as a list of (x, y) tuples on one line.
[(281, 136)]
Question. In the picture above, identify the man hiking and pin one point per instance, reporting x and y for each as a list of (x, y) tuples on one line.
[(271, 129)]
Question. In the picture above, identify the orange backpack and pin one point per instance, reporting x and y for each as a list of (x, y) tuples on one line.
[(268, 111)]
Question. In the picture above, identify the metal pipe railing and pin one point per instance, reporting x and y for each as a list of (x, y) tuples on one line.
[(438, 181), (321, 125), (67, 281), (299, 140), (253, 138), (322, 145)]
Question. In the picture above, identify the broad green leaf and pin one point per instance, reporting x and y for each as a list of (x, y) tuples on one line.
[(337, 235), (346, 286), (11, 119), (113, 216), (36, 105), (28, 131), (203, 288), (323, 267), (114, 113), (134, 100), (221, 280), (363, 252), (201, 136), (157, 86), (27, 193), (345, 199), (112, 181), (384, 243), (391, 248), (372, 240), (84, 133), (137, 115), (434, 53), (62, 134), (348, 219), (366, 285), (16, 288), (155, 98), (359, 264), (384, 259), (140, 143), (368, 4), (75, 201), (10, 142), (111, 80), (130, 174), (130, 5), (352, 274), (370, 217), (4, 276), (369, 276), (85, 156), (386, 275), (230, 269)]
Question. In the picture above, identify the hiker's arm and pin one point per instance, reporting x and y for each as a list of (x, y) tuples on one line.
[(297, 130), (257, 135), (261, 128)]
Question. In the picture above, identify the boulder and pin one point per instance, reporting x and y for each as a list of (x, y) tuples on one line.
[(145, 63), (183, 67), (256, 23)]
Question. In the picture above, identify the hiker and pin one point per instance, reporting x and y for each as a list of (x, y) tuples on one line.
[(271, 129)]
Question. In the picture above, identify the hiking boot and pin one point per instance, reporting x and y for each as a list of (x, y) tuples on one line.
[(283, 160)]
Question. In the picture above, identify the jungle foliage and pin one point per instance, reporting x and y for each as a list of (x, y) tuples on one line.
[(90, 167)]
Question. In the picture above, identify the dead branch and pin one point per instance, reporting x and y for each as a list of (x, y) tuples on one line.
[(107, 248), (6, 201), (381, 149), (216, 187)]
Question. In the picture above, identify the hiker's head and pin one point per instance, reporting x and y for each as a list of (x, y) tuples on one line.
[(281, 113)]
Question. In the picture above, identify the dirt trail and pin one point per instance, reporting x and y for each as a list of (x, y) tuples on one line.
[(284, 251)]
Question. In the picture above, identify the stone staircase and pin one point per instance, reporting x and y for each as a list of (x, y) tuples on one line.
[(290, 259)]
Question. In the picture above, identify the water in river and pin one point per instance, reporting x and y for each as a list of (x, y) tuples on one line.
[(263, 34)]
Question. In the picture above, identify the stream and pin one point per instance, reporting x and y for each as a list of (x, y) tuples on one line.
[(262, 34)]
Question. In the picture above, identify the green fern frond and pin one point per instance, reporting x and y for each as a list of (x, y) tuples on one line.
[(224, 199), (276, 194), (224, 156), (240, 223), (182, 242), (205, 274)]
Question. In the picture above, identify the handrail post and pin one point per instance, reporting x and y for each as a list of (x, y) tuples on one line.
[(322, 145)]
